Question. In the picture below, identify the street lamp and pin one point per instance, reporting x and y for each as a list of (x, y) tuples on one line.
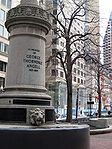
[(90, 99), (77, 98), (90, 102)]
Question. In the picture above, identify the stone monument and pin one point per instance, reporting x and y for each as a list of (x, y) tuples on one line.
[(25, 89)]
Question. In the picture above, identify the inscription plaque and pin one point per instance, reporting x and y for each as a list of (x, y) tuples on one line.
[(32, 60)]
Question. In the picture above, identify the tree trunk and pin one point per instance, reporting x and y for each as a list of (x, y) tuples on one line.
[(99, 94), (69, 82), (69, 99), (77, 100)]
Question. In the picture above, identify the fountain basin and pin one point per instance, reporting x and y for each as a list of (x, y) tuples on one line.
[(20, 137)]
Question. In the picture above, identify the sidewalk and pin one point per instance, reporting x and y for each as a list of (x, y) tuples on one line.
[(101, 138), (101, 141)]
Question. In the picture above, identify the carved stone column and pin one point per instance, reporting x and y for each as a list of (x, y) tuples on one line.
[(25, 89)]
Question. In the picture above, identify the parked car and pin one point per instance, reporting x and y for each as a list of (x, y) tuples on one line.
[(104, 112), (88, 111)]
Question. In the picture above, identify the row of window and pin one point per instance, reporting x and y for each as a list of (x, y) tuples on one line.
[(79, 80), (3, 31), (55, 22), (107, 54), (81, 65), (79, 72), (6, 3), (56, 41), (54, 51), (78, 24), (55, 72), (3, 47)]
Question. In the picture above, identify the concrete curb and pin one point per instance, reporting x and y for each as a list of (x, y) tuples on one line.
[(101, 131)]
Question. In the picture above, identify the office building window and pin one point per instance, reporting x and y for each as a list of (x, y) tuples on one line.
[(55, 11), (3, 47), (2, 66), (81, 65), (81, 81), (6, 3), (54, 2), (74, 79), (54, 72), (62, 43), (1, 30), (54, 51), (55, 41), (6, 34), (78, 72), (81, 73), (2, 15), (61, 74), (78, 63), (55, 31), (74, 70), (78, 47), (3, 2), (54, 61), (54, 21)]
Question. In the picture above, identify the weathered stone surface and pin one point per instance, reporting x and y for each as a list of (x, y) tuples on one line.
[(28, 14), (99, 123), (30, 2), (37, 117), (76, 137), (28, 25)]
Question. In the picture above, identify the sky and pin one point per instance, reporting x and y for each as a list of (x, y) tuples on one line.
[(105, 10)]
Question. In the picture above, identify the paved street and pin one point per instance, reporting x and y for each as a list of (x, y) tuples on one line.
[(102, 141)]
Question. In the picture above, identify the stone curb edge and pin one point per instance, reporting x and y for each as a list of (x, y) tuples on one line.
[(101, 131)]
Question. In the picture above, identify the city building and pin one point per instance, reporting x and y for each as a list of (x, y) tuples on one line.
[(107, 58), (107, 45), (5, 5), (93, 49), (55, 76), (84, 76)]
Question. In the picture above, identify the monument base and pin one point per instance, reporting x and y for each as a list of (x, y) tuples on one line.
[(20, 114), (16, 104), (51, 138)]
